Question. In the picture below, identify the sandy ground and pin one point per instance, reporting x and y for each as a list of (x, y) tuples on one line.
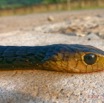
[(37, 86)]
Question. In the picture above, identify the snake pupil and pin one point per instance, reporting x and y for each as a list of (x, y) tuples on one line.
[(90, 58)]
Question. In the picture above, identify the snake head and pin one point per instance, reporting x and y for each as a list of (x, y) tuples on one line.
[(93, 59), (86, 59), (74, 58)]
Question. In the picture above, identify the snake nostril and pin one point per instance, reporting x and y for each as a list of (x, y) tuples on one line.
[(90, 58)]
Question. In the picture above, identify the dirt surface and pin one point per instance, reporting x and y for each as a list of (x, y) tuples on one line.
[(38, 86)]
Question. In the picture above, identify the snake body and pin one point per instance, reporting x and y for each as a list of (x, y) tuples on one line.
[(56, 57)]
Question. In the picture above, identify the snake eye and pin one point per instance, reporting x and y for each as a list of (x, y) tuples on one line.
[(90, 58)]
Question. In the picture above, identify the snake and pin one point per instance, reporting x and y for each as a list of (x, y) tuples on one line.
[(70, 58)]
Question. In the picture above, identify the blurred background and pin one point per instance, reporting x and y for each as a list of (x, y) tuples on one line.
[(11, 7), (28, 14)]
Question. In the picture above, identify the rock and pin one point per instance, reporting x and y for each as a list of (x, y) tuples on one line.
[(80, 34), (101, 33), (92, 36), (37, 86), (50, 18)]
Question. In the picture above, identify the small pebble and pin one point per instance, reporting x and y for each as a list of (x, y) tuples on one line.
[(50, 18)]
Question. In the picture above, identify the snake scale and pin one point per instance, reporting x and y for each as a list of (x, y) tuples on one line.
[(73, 58)]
